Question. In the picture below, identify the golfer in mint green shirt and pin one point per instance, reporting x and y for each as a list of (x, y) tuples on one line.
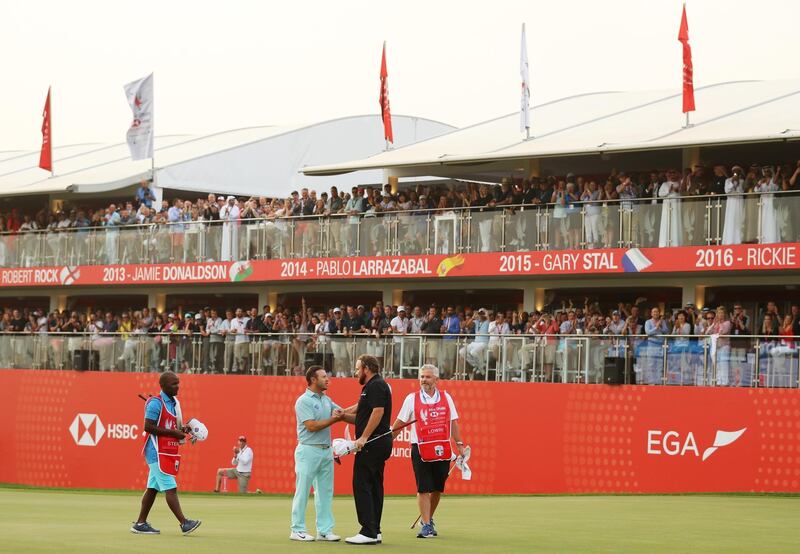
[(313, 457)]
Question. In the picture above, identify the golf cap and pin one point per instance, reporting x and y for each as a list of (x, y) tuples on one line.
[(360, 307), (171, 315), (335, 310), (230, 198), (615, 312), (689, 305), (269, 314), (198, 316), (482, 311), (401, 308), (242, 438)]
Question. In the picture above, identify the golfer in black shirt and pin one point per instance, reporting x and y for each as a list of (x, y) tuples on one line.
[(371, 417)]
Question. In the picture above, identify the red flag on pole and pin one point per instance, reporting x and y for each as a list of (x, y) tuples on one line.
[(386, 114), (46, 155), (688, 71)]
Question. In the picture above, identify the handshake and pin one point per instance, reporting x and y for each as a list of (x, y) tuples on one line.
[(338, 415)]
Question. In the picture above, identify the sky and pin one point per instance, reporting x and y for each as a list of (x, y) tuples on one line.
[(225, 65)]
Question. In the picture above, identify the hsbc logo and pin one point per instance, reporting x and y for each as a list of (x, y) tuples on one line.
[(673, 443), (88, 429)]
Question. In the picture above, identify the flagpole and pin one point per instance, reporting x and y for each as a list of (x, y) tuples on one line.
[(385, 138), (50, 127), (153, 130)]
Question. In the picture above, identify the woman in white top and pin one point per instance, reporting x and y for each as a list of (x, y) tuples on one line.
[(734, 208), (769, 222), (671, 227)]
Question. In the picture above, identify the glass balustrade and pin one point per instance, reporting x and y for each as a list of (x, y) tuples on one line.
[(675, 221), (721, 361)]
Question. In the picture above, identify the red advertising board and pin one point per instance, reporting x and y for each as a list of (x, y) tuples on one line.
[(69, 429), (741, 257)]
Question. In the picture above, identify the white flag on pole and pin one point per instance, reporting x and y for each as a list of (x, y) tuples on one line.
[(524, 112), (140, 135)]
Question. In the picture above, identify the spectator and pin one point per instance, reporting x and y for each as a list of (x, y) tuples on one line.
[(671, 227), (733, 228), (243, 467)]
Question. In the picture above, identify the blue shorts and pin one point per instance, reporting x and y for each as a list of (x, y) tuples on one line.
[(159, 480)]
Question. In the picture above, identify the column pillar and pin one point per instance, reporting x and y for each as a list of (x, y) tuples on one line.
[(695, 294), (267, 297), (157, 300), (533, 168), (689, 157), (532, 298), (58, 302), (392, 296)]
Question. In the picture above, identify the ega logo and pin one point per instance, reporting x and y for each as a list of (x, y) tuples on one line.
[(672, 443)]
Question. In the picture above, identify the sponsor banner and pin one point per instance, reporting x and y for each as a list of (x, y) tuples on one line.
[(741, 257), (73, 429)]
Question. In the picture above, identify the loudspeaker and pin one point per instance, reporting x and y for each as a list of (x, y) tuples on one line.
[(325, 359), (614, 371), (83, 360)]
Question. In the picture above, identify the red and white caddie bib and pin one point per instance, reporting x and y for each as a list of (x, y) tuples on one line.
[(433, 427), (169, 460)]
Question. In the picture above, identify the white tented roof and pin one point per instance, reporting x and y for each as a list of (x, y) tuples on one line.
[(595, 123), (259, 161)]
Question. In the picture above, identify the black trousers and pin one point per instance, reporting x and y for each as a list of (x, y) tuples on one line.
[(368, 485)]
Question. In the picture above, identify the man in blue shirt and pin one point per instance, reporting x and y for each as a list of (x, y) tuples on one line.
[(158, 480), (313, 457), (473, 353), (653, 360), (144, 194), (451, 327)]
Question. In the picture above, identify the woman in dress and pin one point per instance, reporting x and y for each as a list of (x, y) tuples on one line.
[(671, 227)]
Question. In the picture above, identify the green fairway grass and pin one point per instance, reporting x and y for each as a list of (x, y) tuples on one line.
[(85, 521)]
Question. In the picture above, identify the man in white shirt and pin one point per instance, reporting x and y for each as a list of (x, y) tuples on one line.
[(243, 462), (215, 339), (431, 450), (400, 327), (497, 328), (241, 342)]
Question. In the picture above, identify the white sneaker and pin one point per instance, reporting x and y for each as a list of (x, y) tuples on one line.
[(360, 539), (328, 537), (301, 536), (380, 538)]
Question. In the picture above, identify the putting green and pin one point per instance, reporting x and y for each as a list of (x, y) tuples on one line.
[(85, 521)]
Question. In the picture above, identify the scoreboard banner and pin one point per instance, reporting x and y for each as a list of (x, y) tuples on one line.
[(76, 430), (742, 257)]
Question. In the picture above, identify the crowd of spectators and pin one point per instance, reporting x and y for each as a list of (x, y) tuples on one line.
[(279, 340), (564, 193)]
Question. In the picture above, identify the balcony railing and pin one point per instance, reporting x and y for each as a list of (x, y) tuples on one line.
[(702, 220), (744, 361)]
